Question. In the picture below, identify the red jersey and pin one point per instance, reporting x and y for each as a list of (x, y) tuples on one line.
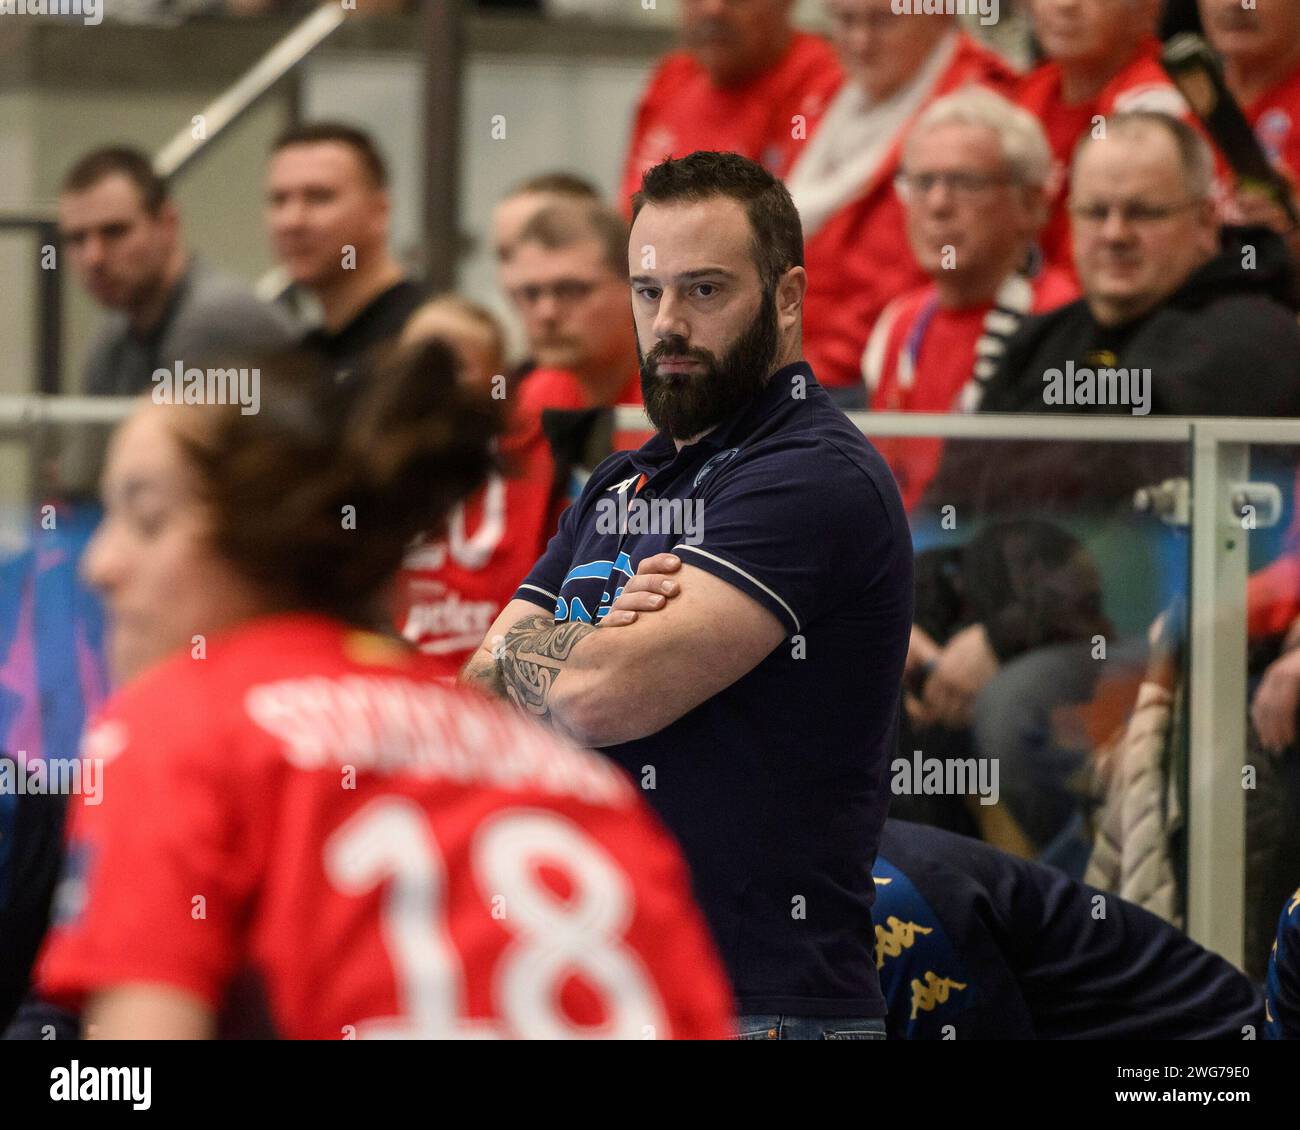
[(921, 356), (681, 110), (1275, 116), (860, 259), (308, 810), (1141, 85)]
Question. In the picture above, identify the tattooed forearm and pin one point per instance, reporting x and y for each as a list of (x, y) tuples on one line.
[(531, 658)]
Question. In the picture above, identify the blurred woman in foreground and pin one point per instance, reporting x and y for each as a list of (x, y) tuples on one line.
[(301, 832)]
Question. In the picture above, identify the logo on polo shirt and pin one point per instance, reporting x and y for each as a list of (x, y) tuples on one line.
[(615, 574), (713, 462)]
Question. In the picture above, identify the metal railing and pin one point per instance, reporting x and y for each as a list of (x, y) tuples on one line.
[(258, 81)]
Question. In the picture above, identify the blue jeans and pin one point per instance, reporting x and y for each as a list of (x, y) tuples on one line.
[(808, 1028)]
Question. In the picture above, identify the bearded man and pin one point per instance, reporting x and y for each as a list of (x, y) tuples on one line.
[(725, 611)]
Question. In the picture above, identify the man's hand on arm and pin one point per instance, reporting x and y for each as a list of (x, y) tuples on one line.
[(649, 591), (627, 684), (704, 634)]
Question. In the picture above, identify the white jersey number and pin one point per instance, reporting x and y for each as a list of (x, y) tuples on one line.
[(553, 938)]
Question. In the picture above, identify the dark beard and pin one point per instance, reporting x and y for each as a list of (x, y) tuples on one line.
[(686, 404)]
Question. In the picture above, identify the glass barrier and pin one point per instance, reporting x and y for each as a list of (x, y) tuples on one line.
[(1270, 522), (1047, 649)]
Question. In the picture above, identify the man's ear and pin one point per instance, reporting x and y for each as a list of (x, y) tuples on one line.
[(1210, 225), (169, 217), (380, 211), (789, 294)]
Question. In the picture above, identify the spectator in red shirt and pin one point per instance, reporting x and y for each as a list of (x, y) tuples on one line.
[(1261, 62), (975, 181), (1103, 59), (742, 82), (571, 293), (568, 274), (842, 180)]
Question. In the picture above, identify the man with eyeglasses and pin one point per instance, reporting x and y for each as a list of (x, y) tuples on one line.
[(567, 281), (1203, 309), (510, 215), (1103, 58), (975, 186), (565, 276), (1164, 289)]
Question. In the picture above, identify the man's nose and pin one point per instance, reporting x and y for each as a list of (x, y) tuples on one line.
[(546, 307), (670, 319), (288, 215), (1115, 228), (91, 252), (938, 197)]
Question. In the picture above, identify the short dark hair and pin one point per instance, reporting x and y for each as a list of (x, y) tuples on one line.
[(360, 142), (118, 160), (777, 235), (1194, 153), (564, 224), (559, 183)]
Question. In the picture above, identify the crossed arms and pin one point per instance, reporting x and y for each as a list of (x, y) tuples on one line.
[(657, 654)]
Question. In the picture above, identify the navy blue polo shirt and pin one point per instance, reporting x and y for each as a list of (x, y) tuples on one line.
[(776, 788)]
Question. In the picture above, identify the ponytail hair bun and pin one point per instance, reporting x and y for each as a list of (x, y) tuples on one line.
[(317, 494)]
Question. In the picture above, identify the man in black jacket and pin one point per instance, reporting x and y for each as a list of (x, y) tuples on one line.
[(1200, 316), (1178, 317)]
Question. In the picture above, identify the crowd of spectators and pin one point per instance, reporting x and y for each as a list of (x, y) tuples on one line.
[(969, 231)]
